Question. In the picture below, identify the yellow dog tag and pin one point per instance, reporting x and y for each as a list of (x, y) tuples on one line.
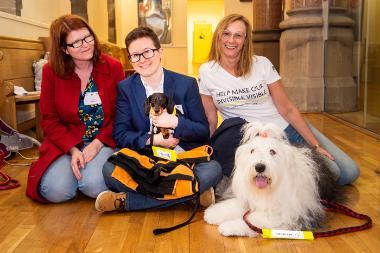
[(287, 234), (164, 153)]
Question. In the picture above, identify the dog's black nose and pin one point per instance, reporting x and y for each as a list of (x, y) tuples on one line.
[(260, 167)]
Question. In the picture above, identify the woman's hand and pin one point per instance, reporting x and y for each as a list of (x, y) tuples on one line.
[(171, 142), (77, 162), (91, 150), (292, 115), (165, 120), (325, 152)]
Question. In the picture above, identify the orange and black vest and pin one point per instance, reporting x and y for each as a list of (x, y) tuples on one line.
[(158, 178)]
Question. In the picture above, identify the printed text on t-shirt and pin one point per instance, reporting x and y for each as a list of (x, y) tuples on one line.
[(254, 95)]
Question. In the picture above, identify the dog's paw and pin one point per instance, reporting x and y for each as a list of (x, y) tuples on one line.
[(236, 228), (212, 215)]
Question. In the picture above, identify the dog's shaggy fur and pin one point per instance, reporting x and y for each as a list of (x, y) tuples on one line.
[(279, 183)]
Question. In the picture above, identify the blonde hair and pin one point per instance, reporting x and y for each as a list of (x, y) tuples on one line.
[(245, 62)]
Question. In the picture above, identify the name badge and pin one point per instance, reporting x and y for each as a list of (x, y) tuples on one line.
[(179, 108), (92, 98), (288, 234), (164, 153)]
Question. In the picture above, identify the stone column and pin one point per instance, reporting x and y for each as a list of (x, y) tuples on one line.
[(267, 15), (316, 73)]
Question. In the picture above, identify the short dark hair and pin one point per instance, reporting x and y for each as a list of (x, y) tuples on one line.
[(141, 32)]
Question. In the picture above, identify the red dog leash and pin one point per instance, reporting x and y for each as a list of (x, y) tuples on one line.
[(6, 182), (332, 207)]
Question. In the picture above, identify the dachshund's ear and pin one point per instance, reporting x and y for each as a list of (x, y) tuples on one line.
[(170, 106), (147, 106)]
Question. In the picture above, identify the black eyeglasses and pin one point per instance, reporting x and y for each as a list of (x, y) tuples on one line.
[(147, 54), (79, 43)]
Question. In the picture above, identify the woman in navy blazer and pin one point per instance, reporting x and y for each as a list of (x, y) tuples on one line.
[(132, 126)]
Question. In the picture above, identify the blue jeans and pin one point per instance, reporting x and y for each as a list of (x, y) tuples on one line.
[(59, 184), (208, 173), (343, 167)]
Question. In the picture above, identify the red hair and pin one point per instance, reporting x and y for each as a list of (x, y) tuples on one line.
[(61, 62)]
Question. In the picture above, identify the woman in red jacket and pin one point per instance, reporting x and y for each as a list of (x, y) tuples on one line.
[(77, 105)]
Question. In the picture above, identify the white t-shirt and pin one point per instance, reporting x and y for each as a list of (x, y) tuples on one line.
[(246, 97), (149, 90)]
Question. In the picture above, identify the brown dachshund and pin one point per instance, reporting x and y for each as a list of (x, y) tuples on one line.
[(156, 103)]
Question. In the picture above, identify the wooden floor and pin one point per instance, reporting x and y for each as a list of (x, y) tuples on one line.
[(361, 119), (27, 226)]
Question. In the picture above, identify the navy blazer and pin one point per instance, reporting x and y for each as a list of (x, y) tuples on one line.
[(131, 127)]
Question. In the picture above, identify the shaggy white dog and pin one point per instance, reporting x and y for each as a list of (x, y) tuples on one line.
[(279, 183)]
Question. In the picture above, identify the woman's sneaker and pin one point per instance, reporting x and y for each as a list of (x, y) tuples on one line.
[(110, 201)]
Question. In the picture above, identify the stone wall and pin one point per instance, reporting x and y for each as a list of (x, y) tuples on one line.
[(317, 70)]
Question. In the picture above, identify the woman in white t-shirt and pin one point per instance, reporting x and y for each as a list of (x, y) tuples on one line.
[(238, 84)]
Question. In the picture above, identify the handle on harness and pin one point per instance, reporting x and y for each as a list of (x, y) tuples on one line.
[(159, 231)]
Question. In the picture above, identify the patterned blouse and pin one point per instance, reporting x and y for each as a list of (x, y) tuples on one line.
[(91, 115)]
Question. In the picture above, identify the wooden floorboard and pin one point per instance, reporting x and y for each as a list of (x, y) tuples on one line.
[(75, 226)]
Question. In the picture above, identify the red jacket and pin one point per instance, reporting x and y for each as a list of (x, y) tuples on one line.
[(59, 115)]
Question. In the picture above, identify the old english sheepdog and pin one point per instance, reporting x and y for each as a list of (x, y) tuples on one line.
[(280, 184)]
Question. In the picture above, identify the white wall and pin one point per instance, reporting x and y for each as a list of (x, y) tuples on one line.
[(18, 27), (175, 55), (126, 19), (209, 12), (35, 19), (45, 11), (98, 18), (243, 8)]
